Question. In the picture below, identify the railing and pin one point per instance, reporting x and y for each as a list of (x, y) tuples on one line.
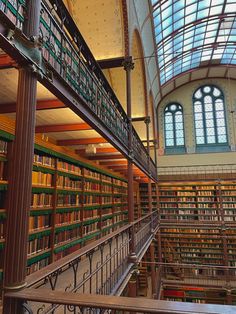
[(101, 267), (66, 55), (197, 275), (97, 304), (198, 171)]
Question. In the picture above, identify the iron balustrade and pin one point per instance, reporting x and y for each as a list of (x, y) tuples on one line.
[(97, 304), (63, 53), (197, 275), (101, 267)]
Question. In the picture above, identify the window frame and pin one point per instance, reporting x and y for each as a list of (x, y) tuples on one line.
[(174, 148), (201, 100)]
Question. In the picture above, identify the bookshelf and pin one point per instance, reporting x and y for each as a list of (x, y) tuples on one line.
[(198, 222), (210, 202), (196, 295), (72, 203), (143, 192)]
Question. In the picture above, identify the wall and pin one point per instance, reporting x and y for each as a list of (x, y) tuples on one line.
[(183, 96)]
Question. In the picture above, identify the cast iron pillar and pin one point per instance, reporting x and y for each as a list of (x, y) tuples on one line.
[(132, 286), (20, 174), (147, 121), (128, 67), (153, 269)]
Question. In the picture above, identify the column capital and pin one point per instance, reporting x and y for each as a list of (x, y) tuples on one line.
[(128, 64)]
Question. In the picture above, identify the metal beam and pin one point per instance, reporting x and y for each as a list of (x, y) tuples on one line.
[(111, 63), (62, 128), (81, 141), (138, 119), (41, 105)]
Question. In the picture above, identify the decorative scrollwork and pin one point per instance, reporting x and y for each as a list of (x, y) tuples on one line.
[(26, 308), (41, 309)]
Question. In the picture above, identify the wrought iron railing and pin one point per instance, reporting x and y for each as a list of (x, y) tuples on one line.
[(196, 170), (66, 55), (101, 267), (197, 275), (97, 304)]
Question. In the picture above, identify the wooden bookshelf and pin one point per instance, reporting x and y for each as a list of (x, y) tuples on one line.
[(143, 192), (71, 205), (196, 295), (198, 222), (204, 202)]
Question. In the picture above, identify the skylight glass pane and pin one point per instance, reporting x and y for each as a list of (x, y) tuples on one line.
[(175, 22)]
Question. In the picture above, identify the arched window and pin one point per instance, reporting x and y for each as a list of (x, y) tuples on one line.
[(174, 126), (209, 116)]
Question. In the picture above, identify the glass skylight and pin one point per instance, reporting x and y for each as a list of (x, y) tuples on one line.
[(193, 33)]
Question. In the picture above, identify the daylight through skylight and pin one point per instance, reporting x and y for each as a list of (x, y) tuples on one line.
[(193, 33)]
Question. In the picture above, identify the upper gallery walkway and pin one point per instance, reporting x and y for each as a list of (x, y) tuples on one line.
[(63, 63)]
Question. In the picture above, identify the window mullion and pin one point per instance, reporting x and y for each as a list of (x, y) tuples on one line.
[(204, 121), (214, 120), (174, 129)]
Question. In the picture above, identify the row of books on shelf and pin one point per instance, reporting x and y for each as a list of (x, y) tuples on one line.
[(39, 222), (45, 179), (67, 217), (106, 188), (91, 186), (90, 214), (38, 245), (67, 235), (41, 200), (68, 183), (40, 178), (37, 265), (106, 178), (120, 183), (68, 167), (90, 228), (91, 174), (44, 160), (3, 147)]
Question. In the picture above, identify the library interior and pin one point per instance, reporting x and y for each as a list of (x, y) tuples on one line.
[(117, 156)]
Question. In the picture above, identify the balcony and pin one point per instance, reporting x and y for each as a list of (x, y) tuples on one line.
[(66, 67)]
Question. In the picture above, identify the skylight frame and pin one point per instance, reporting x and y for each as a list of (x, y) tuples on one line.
[(208, 37)]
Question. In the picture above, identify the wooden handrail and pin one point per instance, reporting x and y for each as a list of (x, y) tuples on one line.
[(119, 303)]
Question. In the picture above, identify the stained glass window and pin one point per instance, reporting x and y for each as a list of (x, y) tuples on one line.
[(174, 125), (209, 116)]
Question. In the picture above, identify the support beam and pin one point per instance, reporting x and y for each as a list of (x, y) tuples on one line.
[(106, 157), (6, 62), (62, 128), (138, 119), (81, 141), (41, 105), (111, 63)]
